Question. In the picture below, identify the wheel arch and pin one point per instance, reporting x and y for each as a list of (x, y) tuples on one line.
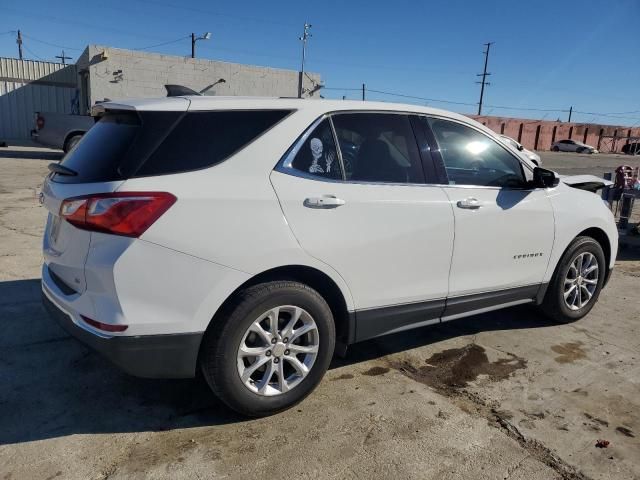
[(320, 281)]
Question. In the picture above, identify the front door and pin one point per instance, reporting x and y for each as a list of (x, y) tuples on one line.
[(504, 228), (366, 211)]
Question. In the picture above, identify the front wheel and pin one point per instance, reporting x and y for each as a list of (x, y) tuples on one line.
[(556, 149), (577, 281), (269, 348)]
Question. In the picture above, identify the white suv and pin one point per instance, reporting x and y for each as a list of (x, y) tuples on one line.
[(253, 238)]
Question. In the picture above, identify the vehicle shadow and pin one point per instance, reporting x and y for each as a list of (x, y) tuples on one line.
[(30, 154), (52, 386)]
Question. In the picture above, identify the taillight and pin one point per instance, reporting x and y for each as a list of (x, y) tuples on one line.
[(39, 122), (106, 327), (121, 213)]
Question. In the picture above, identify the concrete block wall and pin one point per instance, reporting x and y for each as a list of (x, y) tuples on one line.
[(145, 74), (540, 135)]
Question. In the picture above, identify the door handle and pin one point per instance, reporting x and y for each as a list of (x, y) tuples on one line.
[(325, 201), (469, 204)]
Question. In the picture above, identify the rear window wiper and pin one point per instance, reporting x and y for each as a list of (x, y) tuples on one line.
[(62, 170)]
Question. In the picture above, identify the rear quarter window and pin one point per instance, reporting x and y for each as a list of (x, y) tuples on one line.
[(204, 139), (138, 144)]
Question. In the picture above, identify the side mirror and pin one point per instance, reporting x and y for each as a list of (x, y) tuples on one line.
[(543, 178)]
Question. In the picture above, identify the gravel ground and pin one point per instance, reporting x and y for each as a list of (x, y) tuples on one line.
[(501, 395)]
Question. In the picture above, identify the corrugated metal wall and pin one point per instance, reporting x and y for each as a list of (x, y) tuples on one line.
[(28, 86)]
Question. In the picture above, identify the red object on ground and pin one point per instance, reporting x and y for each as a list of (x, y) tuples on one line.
[(602, 443)]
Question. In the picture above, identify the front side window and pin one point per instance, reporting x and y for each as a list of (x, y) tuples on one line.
[(378, 147), (472, 158), (318, 155)]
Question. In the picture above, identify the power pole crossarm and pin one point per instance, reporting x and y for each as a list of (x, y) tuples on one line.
[(484, 76), (63, 57)]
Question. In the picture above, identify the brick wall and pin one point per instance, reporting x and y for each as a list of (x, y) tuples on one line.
[(546, 132)]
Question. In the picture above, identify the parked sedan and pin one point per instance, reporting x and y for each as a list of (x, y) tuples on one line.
[(572, 146), (533, 156)]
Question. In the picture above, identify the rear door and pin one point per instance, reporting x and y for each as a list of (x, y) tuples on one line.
[(504, 228), (365, 210)]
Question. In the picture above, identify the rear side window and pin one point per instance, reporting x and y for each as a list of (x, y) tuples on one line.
[(204, 139), (318, 154), (378, 147), (98, 156)]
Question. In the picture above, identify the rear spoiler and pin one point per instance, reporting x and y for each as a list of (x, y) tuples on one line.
[(180, 91)]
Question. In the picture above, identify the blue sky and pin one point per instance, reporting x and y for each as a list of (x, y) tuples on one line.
[(548, 55)]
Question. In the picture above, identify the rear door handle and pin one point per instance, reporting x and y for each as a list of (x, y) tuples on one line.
[(469, 203), (325, 201)]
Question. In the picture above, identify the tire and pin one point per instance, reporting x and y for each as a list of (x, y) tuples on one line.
[(71, 142), (554, 304), (555, 149), (220, 359), (580, 150)]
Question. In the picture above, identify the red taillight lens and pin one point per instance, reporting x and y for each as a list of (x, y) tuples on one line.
[(105, 327), (39, 122), (120, 213)]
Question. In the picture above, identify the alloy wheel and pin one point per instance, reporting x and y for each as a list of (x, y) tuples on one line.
[(581, 281), (278, 350)]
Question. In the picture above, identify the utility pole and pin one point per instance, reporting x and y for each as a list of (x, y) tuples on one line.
[(484, 75), (63, 57), (304, 37), (19, 42), (363, 90), (570, 111)]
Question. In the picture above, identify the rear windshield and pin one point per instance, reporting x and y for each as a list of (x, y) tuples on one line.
[(97, 157), (125, 145)]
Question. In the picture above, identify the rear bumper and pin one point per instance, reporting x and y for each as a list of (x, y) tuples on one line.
[(149, 356)]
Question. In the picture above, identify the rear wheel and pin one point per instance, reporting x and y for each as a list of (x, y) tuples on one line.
[(577, 281), (269, 348), (71, 142), (555, 149)]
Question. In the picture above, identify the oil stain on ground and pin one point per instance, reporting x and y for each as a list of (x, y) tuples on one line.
[(375, 371), (454, 368), (569, 352)]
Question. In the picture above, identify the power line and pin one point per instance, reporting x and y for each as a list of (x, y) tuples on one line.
[(33, 53), (163, 43), (50, 44), (503, 107), (426, 99)]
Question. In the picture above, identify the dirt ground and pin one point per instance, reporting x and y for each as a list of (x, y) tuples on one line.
[(503, 395)]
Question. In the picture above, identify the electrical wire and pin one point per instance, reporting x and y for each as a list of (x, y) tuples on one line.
[(33, 53), (50, 44), (163, 43)]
